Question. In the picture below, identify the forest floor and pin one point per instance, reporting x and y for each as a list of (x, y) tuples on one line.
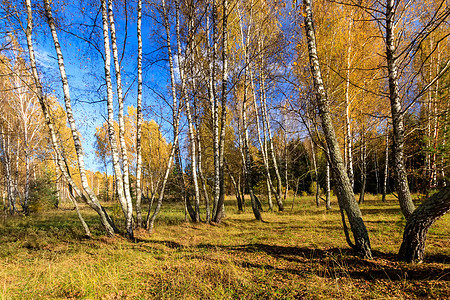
[(298, 254)]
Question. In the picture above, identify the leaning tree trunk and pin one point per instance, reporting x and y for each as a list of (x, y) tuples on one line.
[(401, 178), (417, 225), (89, 197), (344, 190)]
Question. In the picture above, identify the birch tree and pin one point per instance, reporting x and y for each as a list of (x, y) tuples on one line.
[(90, 199), (346, 198)]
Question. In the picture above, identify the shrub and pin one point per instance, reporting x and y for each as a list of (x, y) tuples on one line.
[(43, 194)]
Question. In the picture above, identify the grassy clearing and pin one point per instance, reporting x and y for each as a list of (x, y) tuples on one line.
[(298, 254)]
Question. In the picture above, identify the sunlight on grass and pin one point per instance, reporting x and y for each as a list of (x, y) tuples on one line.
[(295, 254)]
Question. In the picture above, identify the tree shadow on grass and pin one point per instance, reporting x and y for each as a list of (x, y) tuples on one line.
[(343, 261)]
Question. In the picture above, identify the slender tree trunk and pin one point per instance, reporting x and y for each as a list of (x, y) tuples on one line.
[(327, 186), (203, 179), (181, 67), (286, 169), (5, 145), (262, 142), (111, 130), (417, 225), (316, 173), (236, 189), (363, 170), (377, 177), (211, 96), (215, 112), (344, 191), (139, 118), (269, 132), (123, 146), (89, 196), (348, 131), (247, 162), (401, 178), (151, 220), (223, 117), (243, 132), (176, 122), (433, 164), (295, 193), (386, 166)]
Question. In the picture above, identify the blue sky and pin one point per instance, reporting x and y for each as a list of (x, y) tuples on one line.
[(84, 66)]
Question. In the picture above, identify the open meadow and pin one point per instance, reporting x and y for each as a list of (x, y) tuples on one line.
[(298, 254)]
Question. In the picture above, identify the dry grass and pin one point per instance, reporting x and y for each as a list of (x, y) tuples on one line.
[(293, 255)]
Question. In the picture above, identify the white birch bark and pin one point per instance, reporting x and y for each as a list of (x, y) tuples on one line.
[(346, 198), (404, 195), (111, 131), (215, 113), (220, 207), (269, 132), (262, 143), (123, 146), (386, 166), (181, 67), (348, 131), (92, 202), (139, 119)]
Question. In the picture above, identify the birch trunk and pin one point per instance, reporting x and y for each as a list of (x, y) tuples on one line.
[(377, 177), (111, 131), (5, 145), (247, 160), (348, 132), (151, 220), (344, 191), (236, 188), (123, 146), (211, 97), (262, 143), (327, 186), (269, 132), (181, 68), (386, 167), (417, 225), (313, 153), (363, 170), (139, 118), (175, 112), (90, 198), (220, 205), (15, 177), (401, 178), (215, 113), (203, 179)]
